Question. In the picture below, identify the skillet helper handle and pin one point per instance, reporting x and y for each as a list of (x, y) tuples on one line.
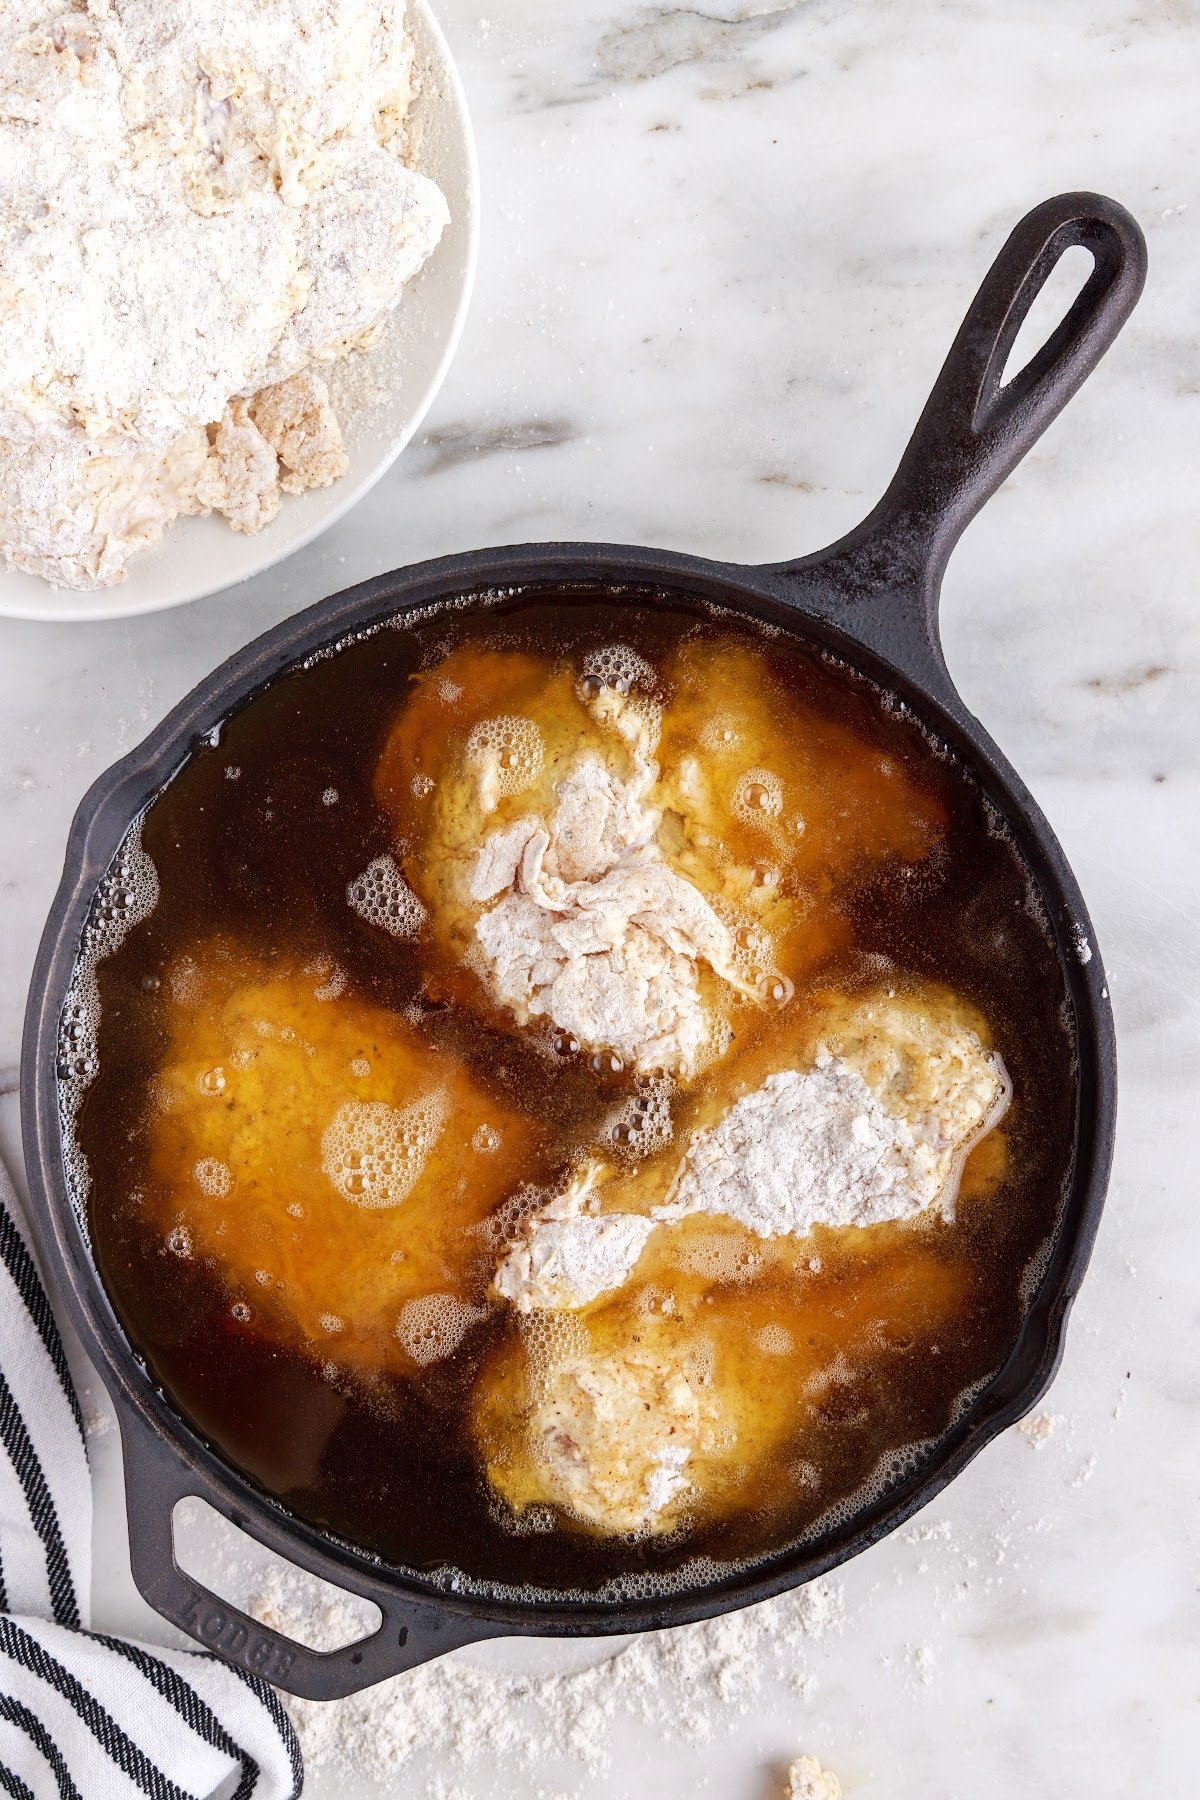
[(974, 431), (410, 1633)]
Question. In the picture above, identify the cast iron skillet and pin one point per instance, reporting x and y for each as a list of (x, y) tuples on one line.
[(872, 598)]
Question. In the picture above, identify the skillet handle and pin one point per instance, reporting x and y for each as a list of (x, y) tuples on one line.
[(881, 582), (410, 1632), (973, 431)]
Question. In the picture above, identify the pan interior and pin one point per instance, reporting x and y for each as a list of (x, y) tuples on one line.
[(244, 842)]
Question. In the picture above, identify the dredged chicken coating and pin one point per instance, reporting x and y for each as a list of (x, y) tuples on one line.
[(635, 855), (633, 1432), (607, 1440), (569, 1252), (570, 913), (687, 1397), (595, 931), (888, 1095), (326, 1160), (894, 1091)]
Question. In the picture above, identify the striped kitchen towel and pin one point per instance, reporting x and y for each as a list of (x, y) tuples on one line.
[(85, 1716)]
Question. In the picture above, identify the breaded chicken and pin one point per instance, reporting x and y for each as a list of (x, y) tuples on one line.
[(893, 1092), (568, 1252), (323, 1157), (890, 1094), (869, 1131), (577, 917), (687, 1396), (639, 873), (609, 1439)]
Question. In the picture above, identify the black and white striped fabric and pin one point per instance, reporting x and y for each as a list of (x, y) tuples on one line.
[(84, 1716)]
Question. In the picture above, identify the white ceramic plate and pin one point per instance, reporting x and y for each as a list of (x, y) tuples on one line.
[(381, 397)]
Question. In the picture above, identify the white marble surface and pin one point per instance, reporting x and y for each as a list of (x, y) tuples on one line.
[(725, 246)]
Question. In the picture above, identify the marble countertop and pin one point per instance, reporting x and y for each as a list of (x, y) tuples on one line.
[(725, 247)]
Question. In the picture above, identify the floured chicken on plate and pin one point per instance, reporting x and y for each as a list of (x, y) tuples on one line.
[(201, 209)]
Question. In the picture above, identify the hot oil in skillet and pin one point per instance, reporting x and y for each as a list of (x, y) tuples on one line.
[(248, 843)]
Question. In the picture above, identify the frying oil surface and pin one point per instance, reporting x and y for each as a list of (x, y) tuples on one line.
[(487, 956)]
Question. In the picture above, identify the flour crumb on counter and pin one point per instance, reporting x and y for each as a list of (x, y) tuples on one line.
[(1039, 1428), (807, 1780), (936, 1531), (1086, 1470)]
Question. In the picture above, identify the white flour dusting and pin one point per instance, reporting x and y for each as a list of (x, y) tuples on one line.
[(569, 1254), (812, 1148), (593, 929), (876, 1133), (687, 1685)]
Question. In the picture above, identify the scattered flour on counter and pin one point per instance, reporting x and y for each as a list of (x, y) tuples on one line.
[(933, 1531), (686, 1685), (1086, 1470)]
